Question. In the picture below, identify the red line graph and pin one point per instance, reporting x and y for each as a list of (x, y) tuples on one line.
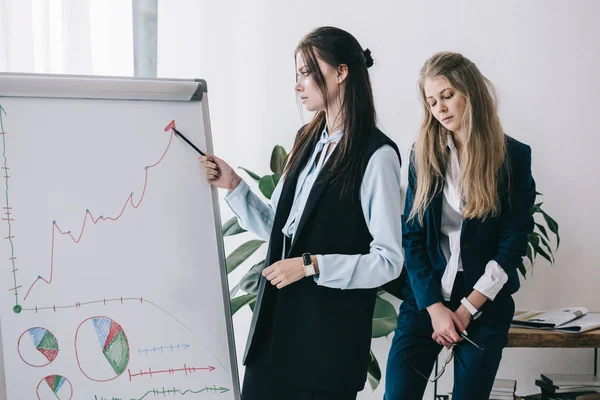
[(88, 216), (170, 371)]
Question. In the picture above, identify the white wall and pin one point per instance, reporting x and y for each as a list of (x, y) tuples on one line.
[(543, 56)]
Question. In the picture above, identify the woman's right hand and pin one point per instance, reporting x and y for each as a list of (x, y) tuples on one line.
[(445, 323), (219, 173)]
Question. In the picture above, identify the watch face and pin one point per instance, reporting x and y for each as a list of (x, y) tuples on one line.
[(306, 259), (309, 270)]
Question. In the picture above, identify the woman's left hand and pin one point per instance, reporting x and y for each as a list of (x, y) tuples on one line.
[(285, 272)]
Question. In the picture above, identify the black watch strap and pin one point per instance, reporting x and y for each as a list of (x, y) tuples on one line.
[(306, 258)]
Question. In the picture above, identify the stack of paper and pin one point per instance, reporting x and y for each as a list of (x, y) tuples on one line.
[(503, 389), (571, 320), (568, 386)]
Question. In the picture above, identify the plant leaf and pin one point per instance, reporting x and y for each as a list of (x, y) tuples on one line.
[(545, 243), (240, 254), (373, 372), (534, 238), (249, 283), (533, 241), (232, 227), (385, 318), (241, 301), (542, 229), (233, 291), (523, 270), (267, 184), (552, 225), (541, 252), (252, 174), (278, 159), (529, 253)]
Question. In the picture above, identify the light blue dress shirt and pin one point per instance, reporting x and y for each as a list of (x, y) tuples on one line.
[(381, 205)]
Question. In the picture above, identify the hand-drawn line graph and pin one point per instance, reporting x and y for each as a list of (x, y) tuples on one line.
[(163, 392), (45, 344), (8, 212), (88, 215), (186, 369), (113, 344), (173, 348), (9, 219), (59, 386)]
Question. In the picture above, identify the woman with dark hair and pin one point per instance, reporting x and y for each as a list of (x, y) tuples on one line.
[(334, 232)]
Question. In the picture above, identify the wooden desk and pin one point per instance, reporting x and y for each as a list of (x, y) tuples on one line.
[(522, 337)]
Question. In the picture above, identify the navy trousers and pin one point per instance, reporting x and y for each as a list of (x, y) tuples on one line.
[(474, 370)]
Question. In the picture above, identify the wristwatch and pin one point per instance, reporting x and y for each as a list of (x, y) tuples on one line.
[(309, 268), (475, 313)]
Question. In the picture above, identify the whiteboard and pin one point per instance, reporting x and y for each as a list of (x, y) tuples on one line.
[(112, 272)]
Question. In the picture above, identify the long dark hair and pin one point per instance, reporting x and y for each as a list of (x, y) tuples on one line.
[(335, 47)]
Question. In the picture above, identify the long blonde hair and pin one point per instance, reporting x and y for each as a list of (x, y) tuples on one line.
[(484, 147)]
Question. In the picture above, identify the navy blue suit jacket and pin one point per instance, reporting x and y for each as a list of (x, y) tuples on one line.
[(502, 238)]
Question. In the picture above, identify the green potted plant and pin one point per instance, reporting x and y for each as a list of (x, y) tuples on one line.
[(539, 239)]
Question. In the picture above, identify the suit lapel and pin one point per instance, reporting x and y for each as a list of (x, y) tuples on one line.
[(436, 210), (281, 214), (436, 207)]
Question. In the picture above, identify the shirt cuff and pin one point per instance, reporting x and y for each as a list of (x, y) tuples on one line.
[(239, 192), (492, 280), (321, 263), (329, 278)]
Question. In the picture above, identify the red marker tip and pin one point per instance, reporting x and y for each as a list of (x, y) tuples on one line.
[(170, 126)]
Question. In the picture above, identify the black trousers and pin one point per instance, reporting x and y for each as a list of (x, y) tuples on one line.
[(261, 384), (474, 370)]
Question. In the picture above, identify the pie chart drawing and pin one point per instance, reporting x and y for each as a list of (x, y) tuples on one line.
[(101, 349), (37, 347), (54, 387)]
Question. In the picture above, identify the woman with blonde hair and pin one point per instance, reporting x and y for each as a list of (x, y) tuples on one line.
[(466, 221)]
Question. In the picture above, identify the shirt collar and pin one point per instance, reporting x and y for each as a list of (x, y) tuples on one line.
[(324, 134), (451, 145)]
